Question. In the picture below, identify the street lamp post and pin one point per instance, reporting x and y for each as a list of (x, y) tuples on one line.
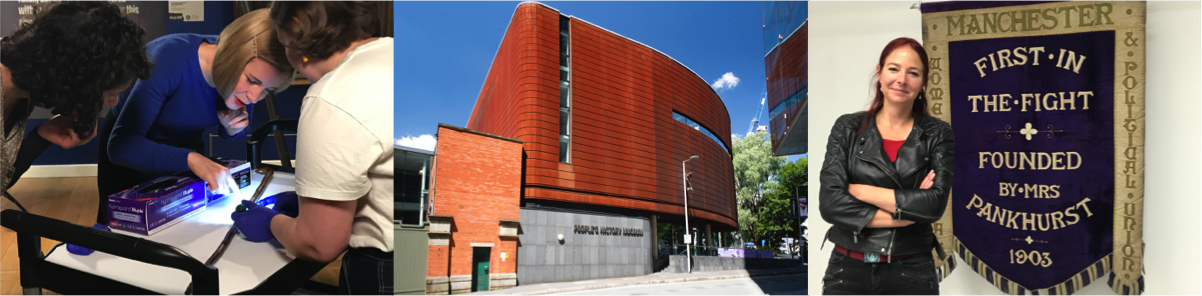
[(688, 241), (797, 199), (797, 214)]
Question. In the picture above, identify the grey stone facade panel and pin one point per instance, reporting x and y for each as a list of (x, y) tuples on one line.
[(544, 258)]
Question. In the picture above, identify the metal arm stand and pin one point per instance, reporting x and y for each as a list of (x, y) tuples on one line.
[(280, 145), (254, 145)]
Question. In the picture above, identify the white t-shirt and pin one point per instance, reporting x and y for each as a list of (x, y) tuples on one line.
[(344, 141)]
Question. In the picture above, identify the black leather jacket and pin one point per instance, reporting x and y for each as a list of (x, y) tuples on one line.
[(853, 157)]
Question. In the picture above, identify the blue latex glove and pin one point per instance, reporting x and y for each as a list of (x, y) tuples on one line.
[(286, 203), (77, 250), (255, 222)]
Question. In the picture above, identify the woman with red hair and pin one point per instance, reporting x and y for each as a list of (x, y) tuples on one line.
[(885, 179)]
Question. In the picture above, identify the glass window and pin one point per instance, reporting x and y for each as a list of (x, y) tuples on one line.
[(565, 94), (563, 119), (563, 149), (789, 102), (411, 196), (781, 19), (693, 124)]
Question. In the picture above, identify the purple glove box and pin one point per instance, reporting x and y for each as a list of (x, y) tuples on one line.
[(157, 204)]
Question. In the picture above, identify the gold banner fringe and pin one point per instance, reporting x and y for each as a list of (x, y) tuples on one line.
[(1071, 285), (1123, 287), (944, 266)]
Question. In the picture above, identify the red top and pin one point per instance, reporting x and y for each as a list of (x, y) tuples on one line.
[(891, 147)]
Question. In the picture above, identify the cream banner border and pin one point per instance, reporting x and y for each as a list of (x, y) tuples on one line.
[(1127, 20)]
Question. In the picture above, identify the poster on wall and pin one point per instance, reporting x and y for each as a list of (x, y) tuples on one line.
[(151, 15), (186, 11), (1046, 102)]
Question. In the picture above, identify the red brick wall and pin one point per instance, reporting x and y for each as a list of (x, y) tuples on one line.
[(478, 182), (439, 261), (626, 148)]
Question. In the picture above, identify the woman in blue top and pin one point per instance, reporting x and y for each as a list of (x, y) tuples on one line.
[(198, 81)]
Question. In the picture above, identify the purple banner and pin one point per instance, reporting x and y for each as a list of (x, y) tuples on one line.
[(744, 253), (963, 5), (1034, 125)]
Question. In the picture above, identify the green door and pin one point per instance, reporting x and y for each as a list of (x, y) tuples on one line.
[(480, 256)]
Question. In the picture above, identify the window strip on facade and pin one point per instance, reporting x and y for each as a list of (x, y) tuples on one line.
[(693, 124), (785, 104), (565, 87)]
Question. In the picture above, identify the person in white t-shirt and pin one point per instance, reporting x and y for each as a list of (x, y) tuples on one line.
[(344, 170)]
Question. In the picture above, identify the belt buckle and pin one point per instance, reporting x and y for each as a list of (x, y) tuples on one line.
[(871, 258)]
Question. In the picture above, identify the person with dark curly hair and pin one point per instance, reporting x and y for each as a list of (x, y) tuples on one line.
[(73, 59), (198, 81), (344, 167)]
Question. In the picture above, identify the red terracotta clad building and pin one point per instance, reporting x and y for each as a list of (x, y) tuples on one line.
[(625, 146), (604, 123)]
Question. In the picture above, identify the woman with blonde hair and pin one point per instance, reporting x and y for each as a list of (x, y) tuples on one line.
[(344, 135), (198, 81)]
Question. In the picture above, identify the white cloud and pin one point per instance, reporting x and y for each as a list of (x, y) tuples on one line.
[(424, 142), (728, 81)]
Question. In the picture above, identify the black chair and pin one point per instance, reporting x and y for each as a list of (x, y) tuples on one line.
[(37, 273)]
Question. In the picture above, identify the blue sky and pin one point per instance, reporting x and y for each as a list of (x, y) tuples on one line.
[(445, 49)]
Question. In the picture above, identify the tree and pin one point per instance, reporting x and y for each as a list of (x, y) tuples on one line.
[(774, 219), (754, 166)]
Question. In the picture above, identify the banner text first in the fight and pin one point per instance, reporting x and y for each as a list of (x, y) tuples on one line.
[(1038, 89), (1006, 58), (1026, 20), (1050, 101)]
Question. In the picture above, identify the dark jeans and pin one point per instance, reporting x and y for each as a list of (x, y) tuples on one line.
[(913, 275), (112, 178), (365, 271)]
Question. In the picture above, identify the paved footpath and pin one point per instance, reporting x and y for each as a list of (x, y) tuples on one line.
[(651, 279)]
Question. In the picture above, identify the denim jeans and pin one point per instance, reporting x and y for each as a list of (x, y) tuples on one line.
[(913, 275), (365, 271)]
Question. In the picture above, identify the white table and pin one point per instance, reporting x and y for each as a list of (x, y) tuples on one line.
[(244, 265)]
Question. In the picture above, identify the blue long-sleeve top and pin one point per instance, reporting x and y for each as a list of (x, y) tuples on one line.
[(169, 106)]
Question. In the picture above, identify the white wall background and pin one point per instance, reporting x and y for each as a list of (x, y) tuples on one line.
[(846, 39)]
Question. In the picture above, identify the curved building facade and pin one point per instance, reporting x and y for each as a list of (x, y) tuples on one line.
[(606, 121), (786, 37), (571, 158)]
